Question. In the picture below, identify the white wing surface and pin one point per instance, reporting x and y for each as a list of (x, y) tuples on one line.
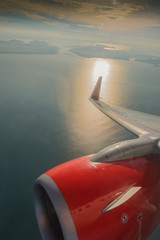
[(136, 122)]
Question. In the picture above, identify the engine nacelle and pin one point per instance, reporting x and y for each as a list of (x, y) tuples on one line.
[(85, 200)]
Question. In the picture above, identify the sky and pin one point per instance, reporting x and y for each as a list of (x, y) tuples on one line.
[(117, 29)]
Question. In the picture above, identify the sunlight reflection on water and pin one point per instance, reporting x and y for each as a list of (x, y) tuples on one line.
[(86, 124), (101, 67)]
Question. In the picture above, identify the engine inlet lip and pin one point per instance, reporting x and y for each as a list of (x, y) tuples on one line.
[(63, 213)]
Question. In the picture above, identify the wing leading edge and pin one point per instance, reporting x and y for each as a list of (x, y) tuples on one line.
[(136, 122)]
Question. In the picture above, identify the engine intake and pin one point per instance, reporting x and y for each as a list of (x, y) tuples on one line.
[(52, 213)]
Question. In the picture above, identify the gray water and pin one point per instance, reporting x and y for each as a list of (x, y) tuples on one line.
[(46, 119)]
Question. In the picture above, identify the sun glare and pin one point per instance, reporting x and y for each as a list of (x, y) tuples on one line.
[(101, 68)]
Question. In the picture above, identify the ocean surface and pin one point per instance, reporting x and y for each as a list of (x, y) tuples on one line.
[(46, 119)]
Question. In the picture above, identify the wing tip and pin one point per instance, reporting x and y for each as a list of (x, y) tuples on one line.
[(96, 91)]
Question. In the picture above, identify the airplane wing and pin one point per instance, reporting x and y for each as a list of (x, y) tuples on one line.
[(136, 122)]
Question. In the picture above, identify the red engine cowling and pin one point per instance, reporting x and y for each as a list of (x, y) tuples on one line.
[(85, 200)]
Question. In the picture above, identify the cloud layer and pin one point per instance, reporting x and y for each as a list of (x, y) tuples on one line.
[(101, 14), (104, 51), (33, 47), (100, 51), (91, 51), (67, 23)]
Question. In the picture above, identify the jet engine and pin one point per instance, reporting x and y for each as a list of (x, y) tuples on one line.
[(82, 199)]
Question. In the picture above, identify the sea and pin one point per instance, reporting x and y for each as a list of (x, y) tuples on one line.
[(46, 119)]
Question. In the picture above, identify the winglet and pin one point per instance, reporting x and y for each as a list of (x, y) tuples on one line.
[(96, 91)]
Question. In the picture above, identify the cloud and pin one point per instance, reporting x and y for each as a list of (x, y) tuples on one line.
[(155, 27), (155, 61), (94, 13), (104, 51), (113, 18), (33, 47), (100, 51), (56, 23)]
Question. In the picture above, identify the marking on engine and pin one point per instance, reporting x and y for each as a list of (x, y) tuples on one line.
[(139, 219), (124, 218)]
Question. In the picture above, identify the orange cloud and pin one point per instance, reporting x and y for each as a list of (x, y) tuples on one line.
[(109, 15)]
